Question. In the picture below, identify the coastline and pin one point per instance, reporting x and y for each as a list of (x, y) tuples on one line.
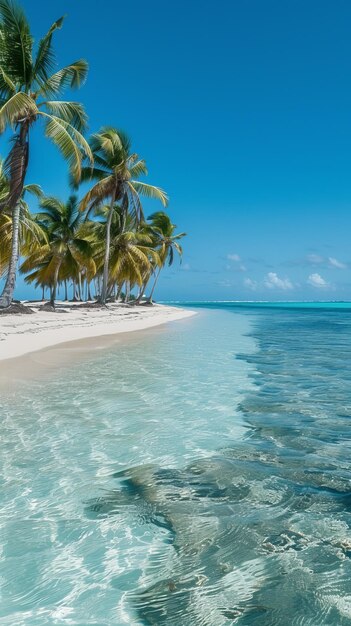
[(25, 334)]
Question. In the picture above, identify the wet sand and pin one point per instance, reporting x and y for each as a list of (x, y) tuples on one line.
[(34, 343)]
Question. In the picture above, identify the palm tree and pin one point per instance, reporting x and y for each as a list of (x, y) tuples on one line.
[(29, 92), (116, 170), (66, 253), (166, 242), (131, 254), (27, 231)]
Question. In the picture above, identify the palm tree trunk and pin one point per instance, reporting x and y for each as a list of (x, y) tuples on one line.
[(18, 164), (7, 294), (80, 294), (110, 291), (126, 299), (66, 291), (75, 295), (118, 292), (97, 287), (142, 291), (89, 297), (107, 252), (154, 285), (54, 287)]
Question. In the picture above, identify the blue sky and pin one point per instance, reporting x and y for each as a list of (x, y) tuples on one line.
[(242, 110)]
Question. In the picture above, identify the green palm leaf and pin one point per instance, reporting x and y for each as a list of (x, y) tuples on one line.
[(37, 257), (24, 81), (150, 191), (35, 190), (82, 254), (72, 76), (18, 106), (71, 112), (138, 169), (69, 141), (107, 140), (15, 43), (7, 86), (98, 193), (45, 60)]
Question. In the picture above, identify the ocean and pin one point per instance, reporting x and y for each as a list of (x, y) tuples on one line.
[(197, 474)]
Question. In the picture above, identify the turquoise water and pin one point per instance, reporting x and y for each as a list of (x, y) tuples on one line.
[(197, 475)]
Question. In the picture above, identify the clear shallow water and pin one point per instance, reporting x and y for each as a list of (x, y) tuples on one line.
[(198, 476)]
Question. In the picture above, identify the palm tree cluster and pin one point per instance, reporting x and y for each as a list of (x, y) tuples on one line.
[(99, 245)]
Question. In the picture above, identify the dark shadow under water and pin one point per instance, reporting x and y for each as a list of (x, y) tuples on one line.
[(259, 533)]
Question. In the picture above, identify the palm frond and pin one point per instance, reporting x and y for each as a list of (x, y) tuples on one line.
[(106, 140), (38, 256), (6, 241), (72, 76), (98, 193), (71, 112), (179, 236), (52, 204), (138, 169), (45, 59), (93, 173), (71, 143), (150, 191), (178, 247), (33, 276), (7, 86), (134, 203), (81, 251), (15, 43), (32, 235), (48, 272), (19, 106), (125, 140), (34, 189), (161, 224)]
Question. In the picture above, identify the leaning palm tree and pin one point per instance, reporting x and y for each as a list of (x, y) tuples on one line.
[(116, 171), (30, 89), (25, 234), (165, 241), (65, 251)]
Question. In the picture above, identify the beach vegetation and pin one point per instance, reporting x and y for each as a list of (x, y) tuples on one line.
[(99, 244), (20, 233), (31, 88), (116, 171), (64, 254), (166, 242)]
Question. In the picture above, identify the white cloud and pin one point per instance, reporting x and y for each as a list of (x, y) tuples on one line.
[(335, 263), (272, 281), (315, 259), (251, 284), (185, 267), (238, 266), (317, 281)]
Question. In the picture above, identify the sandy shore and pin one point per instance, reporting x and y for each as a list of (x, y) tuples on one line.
[(24, 334)]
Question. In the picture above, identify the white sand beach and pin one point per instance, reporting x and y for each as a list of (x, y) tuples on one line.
[(24, 334)]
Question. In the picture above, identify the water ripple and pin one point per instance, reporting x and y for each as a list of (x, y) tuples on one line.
[(205, 482)]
